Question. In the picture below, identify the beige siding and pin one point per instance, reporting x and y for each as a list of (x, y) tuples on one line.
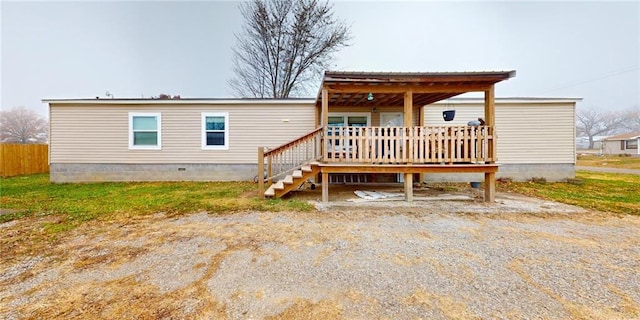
[(532, 132), (99, 133), (527, 132)]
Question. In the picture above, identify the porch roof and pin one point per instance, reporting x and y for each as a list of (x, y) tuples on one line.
[(347, 88)]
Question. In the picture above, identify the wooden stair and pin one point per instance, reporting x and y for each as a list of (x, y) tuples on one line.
[(291, 181)]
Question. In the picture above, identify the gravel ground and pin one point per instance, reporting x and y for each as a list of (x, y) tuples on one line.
[(433, 259)]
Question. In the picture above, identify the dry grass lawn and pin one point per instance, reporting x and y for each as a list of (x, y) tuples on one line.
[(609, 161)]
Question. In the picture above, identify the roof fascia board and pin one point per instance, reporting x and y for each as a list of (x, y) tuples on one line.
[(511, 100), (179, 101)]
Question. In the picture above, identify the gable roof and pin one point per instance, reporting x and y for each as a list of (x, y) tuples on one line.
[(353, 88), (624, 136)]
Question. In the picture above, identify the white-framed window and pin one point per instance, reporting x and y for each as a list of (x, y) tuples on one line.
[(346, 119), (215, 131), (145, 130), (631, 144), (349, 119)]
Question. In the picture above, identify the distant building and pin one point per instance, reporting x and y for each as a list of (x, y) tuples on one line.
[(622, 144), (583, 142)]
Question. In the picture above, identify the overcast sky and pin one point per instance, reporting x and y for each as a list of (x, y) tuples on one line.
[(143, 48)]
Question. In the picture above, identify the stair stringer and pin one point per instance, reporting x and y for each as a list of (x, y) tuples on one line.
[(282, 187)]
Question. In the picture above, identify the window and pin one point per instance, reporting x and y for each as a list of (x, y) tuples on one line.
[(215, 131), (336, 121), (632, 144), (352, 119), (145, 131), (357, 121), (391, 119)]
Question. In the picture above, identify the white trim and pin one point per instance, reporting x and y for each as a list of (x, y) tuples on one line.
[(181, 101), (158, 116), (295, 101), (203, 130), (514, 100), (626, 144), (355, 114)]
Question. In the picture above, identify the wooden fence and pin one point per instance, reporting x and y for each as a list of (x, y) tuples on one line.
[(18, 159)]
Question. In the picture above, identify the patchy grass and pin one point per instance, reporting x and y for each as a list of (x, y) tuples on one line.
[(45, 212), (609, 161), (607, 192), (75, 203)]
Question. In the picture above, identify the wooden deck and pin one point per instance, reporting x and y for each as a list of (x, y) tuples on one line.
[(401, 150), (410, 149)]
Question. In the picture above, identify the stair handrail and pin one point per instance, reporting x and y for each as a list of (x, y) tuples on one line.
[(294, 141), (287, 157)]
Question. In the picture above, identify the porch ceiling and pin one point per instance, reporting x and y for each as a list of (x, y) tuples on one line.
[(353, 88)]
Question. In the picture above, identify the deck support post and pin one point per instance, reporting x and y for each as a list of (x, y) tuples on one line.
[(325, 124), (408, 124), (408, 109), (325, 187), (261, 172), (421, 124), (490, 187), (490, 120), (269, 170), (408, 146), (408, 187)]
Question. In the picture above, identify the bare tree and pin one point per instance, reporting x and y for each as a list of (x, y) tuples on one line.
[(22, 125), (591, 123), (632, 120), (284, 44)]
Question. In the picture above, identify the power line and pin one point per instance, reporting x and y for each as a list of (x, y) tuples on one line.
[(604, 76)]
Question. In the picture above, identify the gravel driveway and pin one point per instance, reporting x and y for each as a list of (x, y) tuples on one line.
[(380, 260)]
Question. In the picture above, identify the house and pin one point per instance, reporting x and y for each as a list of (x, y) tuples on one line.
[(622, 144), (362, 127)]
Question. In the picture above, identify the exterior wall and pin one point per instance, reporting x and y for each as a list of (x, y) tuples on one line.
[(528, 133), (99, 133), (614, 147), (89, 142)]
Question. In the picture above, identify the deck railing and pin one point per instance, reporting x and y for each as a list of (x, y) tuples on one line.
[(406, 145), (288, 157), (379, 145)]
